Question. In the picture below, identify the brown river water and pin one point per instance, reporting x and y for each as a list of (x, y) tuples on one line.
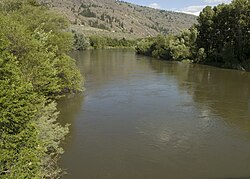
[(142, 118)]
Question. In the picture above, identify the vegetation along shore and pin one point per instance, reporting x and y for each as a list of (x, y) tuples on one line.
[(221, 37), (34, 71)]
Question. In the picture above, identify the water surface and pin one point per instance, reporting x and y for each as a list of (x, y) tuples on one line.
[(142, 118)]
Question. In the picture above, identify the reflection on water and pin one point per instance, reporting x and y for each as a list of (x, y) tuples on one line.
[(143, 118), (225, 92)]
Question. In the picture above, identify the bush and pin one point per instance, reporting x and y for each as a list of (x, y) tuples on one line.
[(34, 70)]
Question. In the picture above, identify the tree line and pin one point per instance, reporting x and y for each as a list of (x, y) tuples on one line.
[(34, 71), (81, 42), (221, 37)]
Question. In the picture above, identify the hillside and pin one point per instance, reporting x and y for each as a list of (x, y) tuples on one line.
[(120, 19)]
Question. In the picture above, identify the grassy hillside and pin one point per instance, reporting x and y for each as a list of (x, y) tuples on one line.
[(120, 19)]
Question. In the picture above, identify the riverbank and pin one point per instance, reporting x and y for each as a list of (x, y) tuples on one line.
[(239, 67)]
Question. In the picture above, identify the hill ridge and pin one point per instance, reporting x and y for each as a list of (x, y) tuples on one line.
[(120, 18)]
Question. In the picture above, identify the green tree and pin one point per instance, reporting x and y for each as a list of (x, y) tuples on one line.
[(80, 41), (29, 133), (205, 29), (34, 68), (224, 34), (41, 45), (19, 143), (221, 37)]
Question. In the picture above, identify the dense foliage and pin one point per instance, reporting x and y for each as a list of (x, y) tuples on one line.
[(224, 34), (34, 69), (181, 47), (221, 37), (81, 42), (104, 42)]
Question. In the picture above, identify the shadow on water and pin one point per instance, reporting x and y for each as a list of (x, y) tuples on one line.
[(216, 91), (69, 107)]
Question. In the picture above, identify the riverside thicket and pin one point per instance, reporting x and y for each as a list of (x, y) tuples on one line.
[(34, 70), (221, 37)]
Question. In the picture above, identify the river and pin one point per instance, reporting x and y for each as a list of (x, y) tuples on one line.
[(142, 118)]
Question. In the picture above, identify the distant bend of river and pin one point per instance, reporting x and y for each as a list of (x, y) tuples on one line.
[(142, 118)]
